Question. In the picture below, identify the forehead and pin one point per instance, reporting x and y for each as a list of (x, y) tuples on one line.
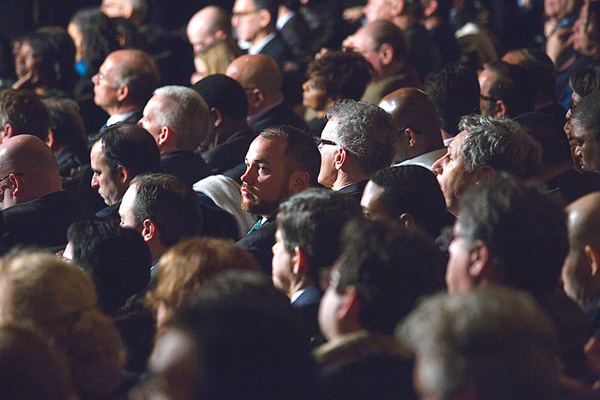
[(330, 129), (455, 145), (97, 151), (362, 39), (243, 4), (268, 150)]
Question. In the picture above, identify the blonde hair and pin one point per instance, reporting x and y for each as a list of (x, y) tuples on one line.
[(187, 266), (217, 56)]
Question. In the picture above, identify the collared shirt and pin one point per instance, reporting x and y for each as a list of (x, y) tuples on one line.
[(425, 160), (281, 21), (256, 48), (296, 295), (115, 119)]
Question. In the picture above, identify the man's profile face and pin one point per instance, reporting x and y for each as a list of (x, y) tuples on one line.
[(328, 172), (104, 179), (150, 118), (372, 207), (361, 42), (586, 147), (458, 278), (198, 36), (265, 182), (486, 81), (281, 263), (105, 88), (127, 209), (451, 174), (246, 20)]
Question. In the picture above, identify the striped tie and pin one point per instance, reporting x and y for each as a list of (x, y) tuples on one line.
[(255, 226)]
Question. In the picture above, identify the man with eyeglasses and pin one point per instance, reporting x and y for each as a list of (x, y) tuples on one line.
[(124, 84), (418, 127), (36, 211), (255, 22), (357, 141)]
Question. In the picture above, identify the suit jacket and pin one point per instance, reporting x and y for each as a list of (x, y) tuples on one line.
[(296, 34), (354, 189), (375, 91), (42, 222), (110, 213), (260, 242), (230, 153), (188, 166), (307, 305), (279, 51), (132, 119), (424, 53), (279, 115)]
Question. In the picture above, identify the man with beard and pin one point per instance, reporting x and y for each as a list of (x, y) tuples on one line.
[(280, 162)]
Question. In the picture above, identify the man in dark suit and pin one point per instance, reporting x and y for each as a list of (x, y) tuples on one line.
[(124, 84), (254, 22), (261, 79), (352, 152), (280, 162), (35, 209), (309, 225), (179, 121), (118, 154)]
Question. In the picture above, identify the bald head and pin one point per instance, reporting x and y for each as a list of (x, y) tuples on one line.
[(208, 25), (583, 221), (260, 77), (136, 70), (413, 110), (30, 167)]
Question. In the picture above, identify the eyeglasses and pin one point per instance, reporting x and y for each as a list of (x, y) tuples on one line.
[(325, 141), (15, 174)]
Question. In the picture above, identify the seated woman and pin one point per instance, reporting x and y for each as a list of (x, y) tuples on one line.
[(187, 266), (214, 59), (331, 78)]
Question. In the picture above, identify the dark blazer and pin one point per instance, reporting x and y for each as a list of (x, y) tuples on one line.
[(132, 119), (260, 242), (279, 51), (188, 166), (230, 153), (110, 213), (280, 115), (354, 189), (297, 35), (42, 222), (307, 305)]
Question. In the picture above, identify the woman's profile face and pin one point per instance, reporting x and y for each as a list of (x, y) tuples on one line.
[(583, 35), (27, 61)]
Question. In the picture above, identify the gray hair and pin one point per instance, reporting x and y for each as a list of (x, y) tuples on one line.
[(366, 131), (501, 144), (495, 340), (190, 119)]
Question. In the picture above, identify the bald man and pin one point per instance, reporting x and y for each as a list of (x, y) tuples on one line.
[(36, 211), (418, 127), (124, 84), (208, 25), (261, 80)]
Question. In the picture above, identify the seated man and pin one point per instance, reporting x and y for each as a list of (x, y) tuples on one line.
[(372, 286), (179, 120), (357, 141), (418, 127), (408, 194), (514, 234), (307, 241), (163, 209), (280, 162), (36, 211), (494, 343), (585, 132), (22, 111), (484, 147)]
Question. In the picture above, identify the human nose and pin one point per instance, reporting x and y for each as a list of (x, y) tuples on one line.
[(95, 183), (95, 79), (437, 167), (248, 175)]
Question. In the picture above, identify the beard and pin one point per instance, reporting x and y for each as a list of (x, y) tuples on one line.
[(254, 205)]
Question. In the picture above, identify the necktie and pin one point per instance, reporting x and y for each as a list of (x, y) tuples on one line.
[(255, 226)]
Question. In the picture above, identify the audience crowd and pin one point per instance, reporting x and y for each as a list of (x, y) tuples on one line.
[(300, 199)]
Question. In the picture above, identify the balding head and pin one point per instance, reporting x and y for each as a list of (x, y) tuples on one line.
[(416, 120), (260, 77), (208, 25), (30, 170), (580, 273)]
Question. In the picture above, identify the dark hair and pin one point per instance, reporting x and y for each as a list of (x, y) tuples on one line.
[(342, 73), (383, 31), (585, 80), (455, 92), (248, 341), (25, 112), (301, 152), (413, 189), (550, 134), (413, 8), (593, 21), (131, 146), (170, 204), (313, 220), (524, 227), (225, 94), (272, 6), (116, 259), (390, 268), (587, 114), (514, 86), (67, 126), (541, 69), (57, 50), (98, 36)]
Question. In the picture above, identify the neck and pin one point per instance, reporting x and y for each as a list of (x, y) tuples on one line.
[(121, 109), (345, 179)]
